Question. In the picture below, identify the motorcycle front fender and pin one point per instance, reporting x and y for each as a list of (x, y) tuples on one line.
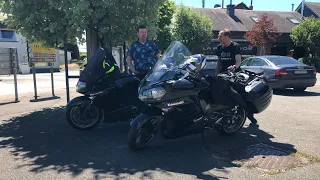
[(78, 100), (144, 117)]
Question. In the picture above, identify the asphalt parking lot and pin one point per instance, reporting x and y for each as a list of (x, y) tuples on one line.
[(41, 145)]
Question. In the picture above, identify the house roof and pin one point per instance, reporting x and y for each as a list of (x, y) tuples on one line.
[(280, 19), (241, 4), (220, 19), (313, 6)]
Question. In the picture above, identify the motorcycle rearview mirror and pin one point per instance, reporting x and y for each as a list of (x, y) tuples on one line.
[(191, 67), (203, 64)]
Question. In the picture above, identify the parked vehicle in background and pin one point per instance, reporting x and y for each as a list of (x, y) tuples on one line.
[(210, 67), (283, 72)]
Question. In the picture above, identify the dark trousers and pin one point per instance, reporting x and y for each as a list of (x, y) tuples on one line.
[(250, 115), (251, 118)]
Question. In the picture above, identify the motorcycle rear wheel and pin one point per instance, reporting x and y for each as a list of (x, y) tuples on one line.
[(230, 126)]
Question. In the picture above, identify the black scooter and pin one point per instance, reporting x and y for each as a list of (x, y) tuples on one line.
[(181, 102), (108, 95)]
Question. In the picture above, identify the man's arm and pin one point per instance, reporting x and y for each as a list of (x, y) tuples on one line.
[(131, 50), (238, 60), (217, 66), (129, 62), (158, 56), (156, 50), (238, 56)]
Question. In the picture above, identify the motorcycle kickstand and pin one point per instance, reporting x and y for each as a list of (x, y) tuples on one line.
[(206, 147)]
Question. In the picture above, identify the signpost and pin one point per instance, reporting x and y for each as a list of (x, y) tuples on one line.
[(39, 56)]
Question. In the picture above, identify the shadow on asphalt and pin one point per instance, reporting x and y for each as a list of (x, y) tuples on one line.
[(291, 92), (9, 102), (44, 141)]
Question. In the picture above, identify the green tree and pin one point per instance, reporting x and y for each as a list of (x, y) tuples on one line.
[(191, 28), (41, 20), (307, 35), (164, 36)]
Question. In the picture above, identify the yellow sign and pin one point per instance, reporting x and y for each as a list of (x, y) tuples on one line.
[(44, 50), (36, 45), (42, 60), (37, 53)]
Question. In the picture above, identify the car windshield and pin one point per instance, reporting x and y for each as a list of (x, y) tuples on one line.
[(210, 65), (283, 60), (175, 55)]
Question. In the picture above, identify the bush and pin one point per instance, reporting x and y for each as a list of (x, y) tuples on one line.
[(310, 61)]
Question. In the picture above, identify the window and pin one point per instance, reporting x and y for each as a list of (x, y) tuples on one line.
[(246, 62), (211, 65), (258, 62), (293, 20), (283, 60), (7, 35), (254, 18)]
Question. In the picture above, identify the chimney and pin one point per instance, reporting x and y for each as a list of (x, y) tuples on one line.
[(230, 10), (251, 7), (292, 7), (222, 3), (217, 5), (203, 1)]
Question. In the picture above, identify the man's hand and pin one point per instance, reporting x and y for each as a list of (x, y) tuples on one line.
[(232, 67), (135, 72)]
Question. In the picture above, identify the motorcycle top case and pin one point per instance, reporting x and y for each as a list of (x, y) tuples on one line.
[(98, 66)]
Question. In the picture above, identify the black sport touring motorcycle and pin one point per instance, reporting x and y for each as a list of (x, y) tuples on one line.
[(107, 94), (182, 102)]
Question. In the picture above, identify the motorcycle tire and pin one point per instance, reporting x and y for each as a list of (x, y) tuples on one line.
[(223, 132), (136, 134), (70, 114)]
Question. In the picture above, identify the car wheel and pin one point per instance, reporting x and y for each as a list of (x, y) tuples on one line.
[(299, 89)]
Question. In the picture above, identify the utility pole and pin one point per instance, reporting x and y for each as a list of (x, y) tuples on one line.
[(203, 3)]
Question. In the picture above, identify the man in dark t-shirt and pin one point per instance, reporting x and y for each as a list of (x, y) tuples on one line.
[(228, 52), (229, 57)]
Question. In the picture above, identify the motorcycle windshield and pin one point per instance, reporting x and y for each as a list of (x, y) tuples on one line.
[(97, 67), (174, 56)]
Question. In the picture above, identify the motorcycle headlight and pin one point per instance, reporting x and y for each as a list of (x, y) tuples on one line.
[(152, 94), (81, 86)]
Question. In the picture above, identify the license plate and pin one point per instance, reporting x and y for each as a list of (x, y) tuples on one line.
[(300, 72)]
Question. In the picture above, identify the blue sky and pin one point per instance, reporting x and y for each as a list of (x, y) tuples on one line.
[(265, 5)]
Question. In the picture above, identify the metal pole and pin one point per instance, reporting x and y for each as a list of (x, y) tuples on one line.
[(15, 65), (15, 82), (52, 82), (125, 57), (34, 81), (66, 62)]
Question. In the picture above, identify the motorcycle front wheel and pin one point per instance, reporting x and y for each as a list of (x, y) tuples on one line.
[(140, 138), (82, 114), (233, 122)]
